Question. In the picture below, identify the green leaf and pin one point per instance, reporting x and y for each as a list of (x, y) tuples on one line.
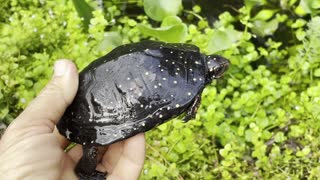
[(158, 10), (279, 137), (308, 7), (292, 2), (170, 21), (251, 3), (299, 23), (219, 41), (84, 10), (315, 4), (180, 148), (264, 15), (111, 40), (4, 112), (263, 28), (172, 156), (317, 72), (296, 131), (304, 152), (157, 170), (300, 34), (222, 40), (171, 30), (163, 127)]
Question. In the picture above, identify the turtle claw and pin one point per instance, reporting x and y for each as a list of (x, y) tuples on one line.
[(192, 110)]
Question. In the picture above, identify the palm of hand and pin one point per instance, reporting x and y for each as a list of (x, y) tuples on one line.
[(32, 149), (44, 152)]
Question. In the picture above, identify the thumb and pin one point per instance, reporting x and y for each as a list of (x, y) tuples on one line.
[(48, 107)]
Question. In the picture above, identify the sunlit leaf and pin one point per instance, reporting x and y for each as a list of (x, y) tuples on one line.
[(264, 15), (222, 40), (251, 3), (308, 7), (111, 40), (263, 28), (158, 10), (171, 20), (171, 30)]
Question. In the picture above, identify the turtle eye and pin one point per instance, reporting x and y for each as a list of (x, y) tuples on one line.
[(219, 70)]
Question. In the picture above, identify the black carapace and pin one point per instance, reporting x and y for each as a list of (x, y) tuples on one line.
[(133, 89)]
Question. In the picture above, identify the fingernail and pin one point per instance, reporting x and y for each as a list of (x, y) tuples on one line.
[(60, 68)]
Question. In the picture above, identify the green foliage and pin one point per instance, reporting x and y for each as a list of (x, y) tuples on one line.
[(172, 29), (261, 121), (84, 10), (223, 39), (158, 10), (308, 7)]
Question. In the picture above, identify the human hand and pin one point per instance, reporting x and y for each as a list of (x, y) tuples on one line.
[(31, 147)]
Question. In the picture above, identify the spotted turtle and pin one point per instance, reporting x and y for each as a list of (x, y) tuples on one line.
[(133, 89)]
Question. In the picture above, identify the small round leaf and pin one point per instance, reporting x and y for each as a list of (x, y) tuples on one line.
[(158, 10)]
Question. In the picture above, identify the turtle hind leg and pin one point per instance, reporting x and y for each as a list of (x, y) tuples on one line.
[(192, 110), (88, 162), (86, 167), (96, 175)]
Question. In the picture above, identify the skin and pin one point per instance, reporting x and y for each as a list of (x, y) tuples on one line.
[(32, 148)]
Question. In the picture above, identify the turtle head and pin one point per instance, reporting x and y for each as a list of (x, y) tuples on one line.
[(216, 66)]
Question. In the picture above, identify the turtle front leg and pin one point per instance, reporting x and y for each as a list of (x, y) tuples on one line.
[(192, 110)]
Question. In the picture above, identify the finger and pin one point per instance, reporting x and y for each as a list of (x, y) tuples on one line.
[(75, 153), (112, 156), (49, 106), (62, 140), (131, 161), (101, 151), (67, 169)]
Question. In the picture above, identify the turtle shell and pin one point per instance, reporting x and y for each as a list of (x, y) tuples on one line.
[(132, 89)]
